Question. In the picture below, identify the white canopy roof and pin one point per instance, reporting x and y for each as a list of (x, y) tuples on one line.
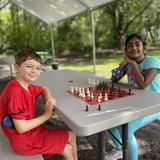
[(52, 11)]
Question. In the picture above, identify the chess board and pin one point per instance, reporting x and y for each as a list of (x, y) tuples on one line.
[(100, 93)]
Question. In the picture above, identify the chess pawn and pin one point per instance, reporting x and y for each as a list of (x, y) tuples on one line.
[(71, 90), (92, 96), (80, 92), (89, 95), (83, 91), (87, 91), (97, 82), (106, 97), (87, 109), (76, 90), (100, 95), (129, 91), (99, 98), (83, 95)]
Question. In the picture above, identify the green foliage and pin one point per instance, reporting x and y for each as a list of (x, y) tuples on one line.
[(74, 36)]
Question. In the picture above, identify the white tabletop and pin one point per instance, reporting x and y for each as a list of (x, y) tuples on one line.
[(113, 113)]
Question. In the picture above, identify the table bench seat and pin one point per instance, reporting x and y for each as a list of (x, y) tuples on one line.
[(6, 152)]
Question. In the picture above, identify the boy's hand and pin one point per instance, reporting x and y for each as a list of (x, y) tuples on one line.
[(51, 101), (49, 107)]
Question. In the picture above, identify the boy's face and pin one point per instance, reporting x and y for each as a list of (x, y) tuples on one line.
[(29, 70), (135, 49)]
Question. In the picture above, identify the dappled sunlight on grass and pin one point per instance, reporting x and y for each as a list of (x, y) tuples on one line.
[(103, 66)]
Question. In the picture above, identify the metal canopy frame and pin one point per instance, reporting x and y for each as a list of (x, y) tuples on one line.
[(54, 11)]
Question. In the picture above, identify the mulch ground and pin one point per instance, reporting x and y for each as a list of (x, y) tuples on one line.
[(148, 139)]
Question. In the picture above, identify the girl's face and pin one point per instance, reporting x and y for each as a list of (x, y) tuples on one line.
[(29, 70), (135, 49)]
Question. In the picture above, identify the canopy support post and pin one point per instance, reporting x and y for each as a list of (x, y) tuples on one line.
[(93, 43)]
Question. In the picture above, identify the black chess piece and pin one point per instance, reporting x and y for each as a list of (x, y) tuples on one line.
[(99, 107), (119, 89), (112, 84), (129, 91), (87, 109)]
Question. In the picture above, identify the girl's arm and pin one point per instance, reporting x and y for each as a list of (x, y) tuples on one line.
[(142, 80), (119, 72)]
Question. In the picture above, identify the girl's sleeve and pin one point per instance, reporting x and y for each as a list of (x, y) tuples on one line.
[(152, 62)]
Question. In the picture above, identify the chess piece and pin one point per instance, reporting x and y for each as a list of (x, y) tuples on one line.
[(87, 91), (76, 90), (80, 92), (97, 82), (86, 108), (105, 97), (100, 98), (99, 107), (71, 90), (119, 89), (92, 97)]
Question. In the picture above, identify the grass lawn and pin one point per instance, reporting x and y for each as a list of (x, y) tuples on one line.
[(103, 66)]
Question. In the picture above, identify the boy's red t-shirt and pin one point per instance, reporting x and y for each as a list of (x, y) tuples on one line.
[(21, 104)]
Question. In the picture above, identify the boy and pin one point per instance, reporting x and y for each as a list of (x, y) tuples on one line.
[(27, 136)]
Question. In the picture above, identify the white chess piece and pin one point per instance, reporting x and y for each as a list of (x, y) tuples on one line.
[(72, 90), (106, 97), (92, 96), (80, 92), (99, 98), (89, 95), (76, 90), (97, 82)]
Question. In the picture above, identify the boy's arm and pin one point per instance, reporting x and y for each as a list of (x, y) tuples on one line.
[(26, 125), (47, 95)]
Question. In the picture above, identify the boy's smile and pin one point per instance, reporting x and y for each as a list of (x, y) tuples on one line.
[(28, 71)]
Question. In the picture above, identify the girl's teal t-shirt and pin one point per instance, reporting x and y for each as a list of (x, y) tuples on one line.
[(148, 63)]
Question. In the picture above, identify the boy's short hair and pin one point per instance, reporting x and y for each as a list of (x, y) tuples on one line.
[(26, 54), (138, 36)]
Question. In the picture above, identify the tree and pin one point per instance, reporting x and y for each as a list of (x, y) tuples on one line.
[(3, 3), (122, 15)]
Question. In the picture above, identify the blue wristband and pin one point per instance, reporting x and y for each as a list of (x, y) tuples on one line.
[(117, 73)]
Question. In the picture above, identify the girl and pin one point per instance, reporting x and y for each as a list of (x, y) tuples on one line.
[(144, 72)]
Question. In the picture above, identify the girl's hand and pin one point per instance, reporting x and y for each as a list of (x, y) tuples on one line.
[(125, 62)]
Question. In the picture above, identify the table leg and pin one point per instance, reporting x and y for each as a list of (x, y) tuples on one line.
[(125, 141), (102, 140)]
